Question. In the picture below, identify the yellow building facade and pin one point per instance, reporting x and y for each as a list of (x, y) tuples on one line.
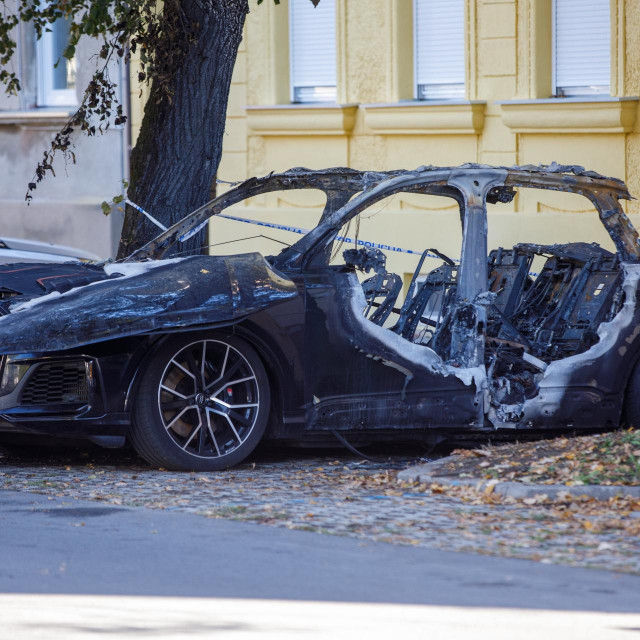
[(507, 117)]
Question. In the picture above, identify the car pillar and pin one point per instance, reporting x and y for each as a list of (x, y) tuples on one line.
[(469, 315)]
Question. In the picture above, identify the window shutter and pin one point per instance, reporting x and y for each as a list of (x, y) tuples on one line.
[(582, 51), (313, 51), (439, 49)]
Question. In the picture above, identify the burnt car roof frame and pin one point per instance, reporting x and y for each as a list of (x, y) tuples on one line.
[(603, 192), (340, 184)]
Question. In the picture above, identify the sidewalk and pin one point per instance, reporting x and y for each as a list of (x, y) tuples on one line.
[(341, 495)]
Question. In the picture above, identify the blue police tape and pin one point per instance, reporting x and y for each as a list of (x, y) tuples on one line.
[(270, 225), (302, 231), (283, 227), (145, 213), (184, 237)]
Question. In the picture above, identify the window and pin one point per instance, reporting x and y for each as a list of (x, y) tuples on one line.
[(56, 86), (313, 51), (582, 47), (439, 49)]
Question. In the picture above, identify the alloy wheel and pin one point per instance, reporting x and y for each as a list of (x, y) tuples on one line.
[(208, 398)]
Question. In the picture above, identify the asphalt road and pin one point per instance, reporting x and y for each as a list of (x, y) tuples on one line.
[(72, 547), (73, 570)]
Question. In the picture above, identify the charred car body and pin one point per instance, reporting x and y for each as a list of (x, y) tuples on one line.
[(196, 359)]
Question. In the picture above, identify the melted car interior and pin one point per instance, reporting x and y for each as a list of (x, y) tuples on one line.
[(532, 318), (552, 314)]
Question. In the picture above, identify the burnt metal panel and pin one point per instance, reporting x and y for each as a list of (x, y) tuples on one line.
[(359, 377), (190, 292)]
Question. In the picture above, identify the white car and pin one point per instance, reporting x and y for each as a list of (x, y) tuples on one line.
[(19, 250)]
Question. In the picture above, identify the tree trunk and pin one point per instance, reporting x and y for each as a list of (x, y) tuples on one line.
[(177, 153)]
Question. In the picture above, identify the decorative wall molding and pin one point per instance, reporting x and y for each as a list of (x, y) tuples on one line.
[(41, 118), (302, 119), (570, 115), (425, 117)]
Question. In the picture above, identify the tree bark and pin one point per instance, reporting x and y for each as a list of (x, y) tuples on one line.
[(178, 150)]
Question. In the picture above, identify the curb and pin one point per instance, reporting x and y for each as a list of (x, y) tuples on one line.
[(424, 473)]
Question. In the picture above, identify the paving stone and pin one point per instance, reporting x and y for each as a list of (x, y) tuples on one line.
[(336, 494)]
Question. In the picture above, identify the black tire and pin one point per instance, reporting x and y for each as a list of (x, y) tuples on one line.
[(202, 403)]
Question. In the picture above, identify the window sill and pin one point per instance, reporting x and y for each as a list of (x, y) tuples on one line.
[(431, 117), (35, 117), (312, 119), (570, 115)]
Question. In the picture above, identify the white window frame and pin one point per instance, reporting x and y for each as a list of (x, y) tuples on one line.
[(585, 89), (47, 96), (316, 93), (456, 93)]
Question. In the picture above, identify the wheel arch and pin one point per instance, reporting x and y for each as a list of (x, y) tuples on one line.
[(263, 346), (267, 349), (158, 339), (138, 368)]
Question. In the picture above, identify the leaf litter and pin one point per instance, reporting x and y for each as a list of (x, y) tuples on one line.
[(340, 495), (601, 459)]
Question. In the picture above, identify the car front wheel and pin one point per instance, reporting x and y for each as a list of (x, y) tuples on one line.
[(202, 404)]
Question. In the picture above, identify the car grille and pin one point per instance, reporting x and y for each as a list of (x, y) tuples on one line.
[(57, 383)]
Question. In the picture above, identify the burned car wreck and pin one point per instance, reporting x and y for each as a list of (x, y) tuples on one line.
[(196, 359)]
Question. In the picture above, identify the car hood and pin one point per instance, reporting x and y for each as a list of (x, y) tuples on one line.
[(119, 300)]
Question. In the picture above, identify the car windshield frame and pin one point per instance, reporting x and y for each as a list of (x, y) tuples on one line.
[(341, 185)]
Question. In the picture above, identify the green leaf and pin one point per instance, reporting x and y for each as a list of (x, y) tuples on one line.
[(69, 52), (118, 199), (106, 208)]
